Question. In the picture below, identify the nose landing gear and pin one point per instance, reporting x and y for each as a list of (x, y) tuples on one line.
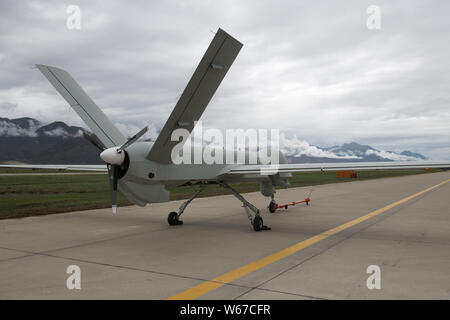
[(273, 206)]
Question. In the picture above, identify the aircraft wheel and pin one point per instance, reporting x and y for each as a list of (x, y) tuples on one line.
[(258, 223), (272, 206), (172, 219)]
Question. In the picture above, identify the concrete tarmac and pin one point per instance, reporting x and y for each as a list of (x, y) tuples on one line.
[(135, 254)]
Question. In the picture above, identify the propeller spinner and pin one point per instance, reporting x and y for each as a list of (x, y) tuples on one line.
[(114, 158)]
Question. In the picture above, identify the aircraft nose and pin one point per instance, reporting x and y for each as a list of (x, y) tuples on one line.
[(111, 156)]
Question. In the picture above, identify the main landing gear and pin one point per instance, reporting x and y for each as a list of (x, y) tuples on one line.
[(174, 217), (257, 221)]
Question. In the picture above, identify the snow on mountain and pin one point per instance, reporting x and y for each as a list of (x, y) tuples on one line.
[(294, 147), (298, 151)]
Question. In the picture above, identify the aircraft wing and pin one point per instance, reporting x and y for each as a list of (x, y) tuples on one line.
[(310, 167), (68, 167), (204, 82)]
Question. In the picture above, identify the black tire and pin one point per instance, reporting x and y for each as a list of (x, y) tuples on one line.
[(172, 219), (258, 223), (272, 206)]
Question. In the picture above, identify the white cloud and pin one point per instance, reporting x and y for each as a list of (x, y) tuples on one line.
[(10, 129), (295, 147), (390, 155), (312, 69), (61, 132)]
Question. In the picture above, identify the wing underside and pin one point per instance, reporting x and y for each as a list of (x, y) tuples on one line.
[(311, 167), (66, 167)]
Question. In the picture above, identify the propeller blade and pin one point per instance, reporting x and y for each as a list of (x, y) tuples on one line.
[(133, 139), (113, 169), (94, 140), (113, 172)]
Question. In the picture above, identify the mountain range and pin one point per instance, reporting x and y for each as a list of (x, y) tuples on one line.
[(26, 140)]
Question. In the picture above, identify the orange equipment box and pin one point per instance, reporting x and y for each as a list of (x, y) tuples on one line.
[(347, 174)]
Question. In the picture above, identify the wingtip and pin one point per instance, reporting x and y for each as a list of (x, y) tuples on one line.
[(44, 66)]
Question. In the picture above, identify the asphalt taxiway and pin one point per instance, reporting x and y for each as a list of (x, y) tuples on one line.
[(320, 251)]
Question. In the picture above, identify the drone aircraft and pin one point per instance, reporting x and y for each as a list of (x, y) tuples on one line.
[(142, 170)]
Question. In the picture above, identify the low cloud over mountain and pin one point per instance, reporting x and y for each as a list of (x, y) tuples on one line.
[(28, 127), (21, 127), (300, 151), (26, 140)]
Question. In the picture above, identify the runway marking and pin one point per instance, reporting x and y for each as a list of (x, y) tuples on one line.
[(230, 276)]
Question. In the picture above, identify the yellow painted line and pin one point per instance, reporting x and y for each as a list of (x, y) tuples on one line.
[(228, 277)]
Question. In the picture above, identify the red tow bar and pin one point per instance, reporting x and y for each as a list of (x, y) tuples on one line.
[(306, 200)]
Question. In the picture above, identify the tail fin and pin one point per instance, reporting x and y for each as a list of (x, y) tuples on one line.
[(83, 105)]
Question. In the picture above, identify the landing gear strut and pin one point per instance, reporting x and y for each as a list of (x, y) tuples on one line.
[(174, 217), (257, 221)]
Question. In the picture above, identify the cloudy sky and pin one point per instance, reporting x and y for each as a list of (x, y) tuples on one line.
[(310, 68)]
